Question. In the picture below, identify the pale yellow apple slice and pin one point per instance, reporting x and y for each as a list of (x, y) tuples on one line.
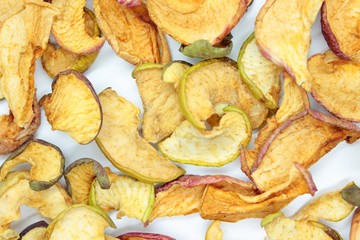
[(173, 72), (214, 231)]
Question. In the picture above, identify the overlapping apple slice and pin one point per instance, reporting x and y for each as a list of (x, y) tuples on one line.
[(285, 38), (215, 147), (339, 24), (334, 85), (131, 33), (130, 197), (46, 159), (212, 82), (35, 231), (73, 106), (143, 236), (120, 142)]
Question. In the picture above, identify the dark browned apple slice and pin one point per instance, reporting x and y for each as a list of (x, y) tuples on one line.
[(73, 106)]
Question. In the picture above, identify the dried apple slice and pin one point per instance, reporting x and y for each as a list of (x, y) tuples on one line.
[(120, 142), (351, 194), (339, 24), (215, 81), (73, 107), (130, 3), (46, 159), (132, 36), (334, 85), (214, 231), (216, 147), (130, 197), (9, 234), (190, 19), (57, 59), (79, 176), (79, 221), (143, 236), (162, 113), (35, 231), (355, 230), (69, 28), (173, 72), (282, 33), (260, 75), (49, 202), (1, 92)]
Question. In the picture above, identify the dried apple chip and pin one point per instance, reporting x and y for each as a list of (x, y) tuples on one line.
[(79, 176), (214, 231), (215, 81), (334, 85), (355, 230), (9, 234), (339, 24), (120, 142), (35, 231), (282, 33), (46, 159), (162, 113), (57, 59), (216, 147), (73, 107), (260, 75), (131, 33), (173, 72), (143, 236), (130, 197), (189, 20)]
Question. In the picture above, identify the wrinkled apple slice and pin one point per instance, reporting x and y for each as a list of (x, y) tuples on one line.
[(79, 221), (9, 234), (188, 24), (69, 28), (173, 72), (120, 142), (130, 197), (330, 206), (280, 227), (355, 228), (22, 41), (143, 236), (214, 231), (339, 24), (50, 202), (79, 176), (217, 147), (46, 159), (260, 75), (215, 81), (203, 49), (12, 136), (304, 138), (162, 113), (334, 85), (35, 231), (57, 59), (73, 107), (132, 36), (282, 33)]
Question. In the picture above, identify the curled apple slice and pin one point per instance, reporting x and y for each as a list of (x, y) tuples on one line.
[(69, 28), (260, 75), (339, 24), (79, 176), (35, 231), (334, 85), (216, 147), (190, 19), (173, 72), (130, 197), (143, 236), (79, 221), (132, 36), (282, 33), (214, 231), (73, 107), (57, 59), (120, 142), (355, 227), (215, 81), (162, 111), (46, 159)]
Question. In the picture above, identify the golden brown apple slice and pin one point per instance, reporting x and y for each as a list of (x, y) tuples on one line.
[(189, 19), (57, 59), (340, 27), (162, 113), (73, 107), (120, 142), (131, 33), (69, 28), (355, 230), (334, 85), (282, 33)]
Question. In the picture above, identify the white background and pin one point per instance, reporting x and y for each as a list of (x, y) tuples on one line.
[(333, 171)]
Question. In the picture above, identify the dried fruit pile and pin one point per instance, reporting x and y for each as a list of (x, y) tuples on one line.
[(120, 132)]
